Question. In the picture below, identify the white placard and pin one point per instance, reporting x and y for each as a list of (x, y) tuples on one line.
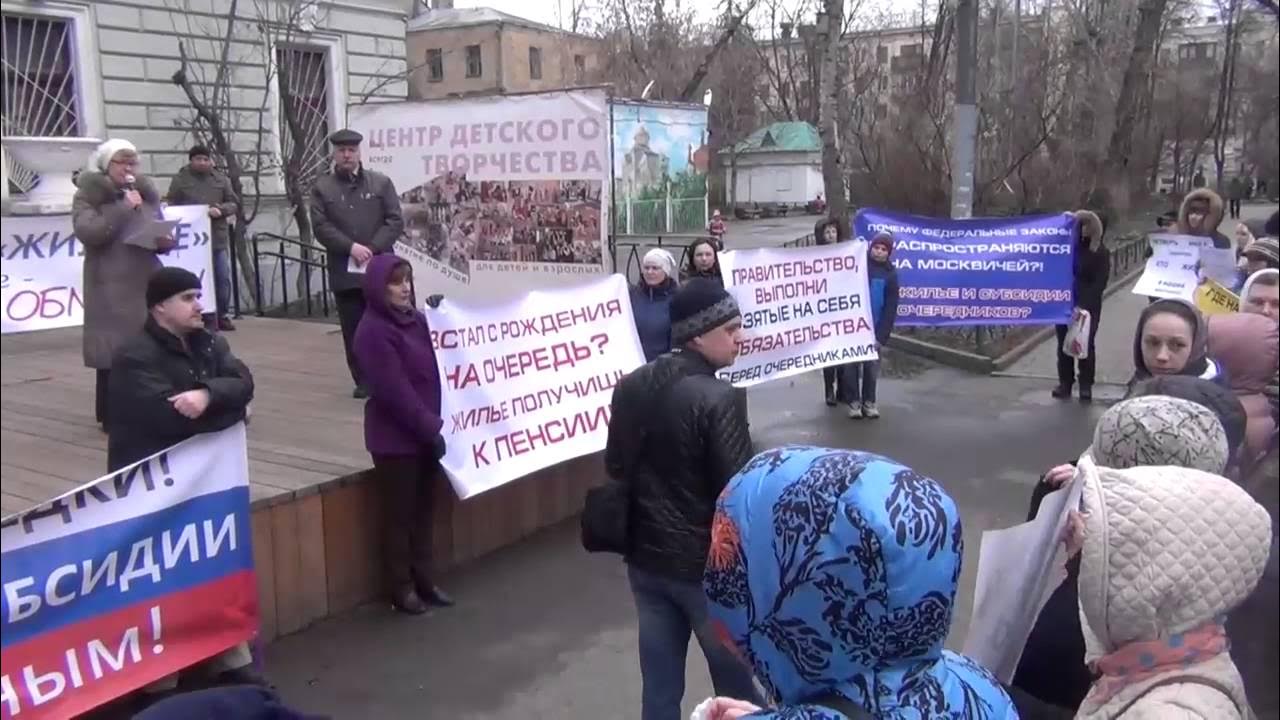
[(802, 309), (1172, 271), (42, 264), (1018, 569), (529, 383)]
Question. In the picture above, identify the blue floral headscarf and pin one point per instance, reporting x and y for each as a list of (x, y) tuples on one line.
[(834, 571)]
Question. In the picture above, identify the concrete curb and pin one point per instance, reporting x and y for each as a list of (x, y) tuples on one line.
[(982, 364), (972, 362)]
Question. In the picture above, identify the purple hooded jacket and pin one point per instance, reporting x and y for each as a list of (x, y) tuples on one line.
[(398, 365)]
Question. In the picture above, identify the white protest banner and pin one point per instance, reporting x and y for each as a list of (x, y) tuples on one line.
[(42, 264), (1018, 569), (1172, 271), (127, 579), (802, 308), (500, 195), (41, 269), (528, 384)]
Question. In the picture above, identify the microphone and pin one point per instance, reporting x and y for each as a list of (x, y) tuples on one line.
[(129, 181)]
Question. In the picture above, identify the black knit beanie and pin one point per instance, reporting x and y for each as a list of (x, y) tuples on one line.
[(699, 306), (169, 281)]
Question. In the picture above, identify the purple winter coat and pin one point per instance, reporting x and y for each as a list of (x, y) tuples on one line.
[(398, 366)]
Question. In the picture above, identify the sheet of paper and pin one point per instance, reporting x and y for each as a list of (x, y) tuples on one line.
[(146, 231), (1171, 271), (355, 267), (1018, 569), (1219, 265)]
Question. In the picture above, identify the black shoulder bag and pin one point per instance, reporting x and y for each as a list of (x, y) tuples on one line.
[(605, 519)]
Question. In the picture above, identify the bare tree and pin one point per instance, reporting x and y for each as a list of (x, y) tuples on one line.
[(1225, 110), (1147, 29), (214, 122), (830, 80)]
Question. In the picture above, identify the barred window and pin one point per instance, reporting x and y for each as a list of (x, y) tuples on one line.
[(40, 84)]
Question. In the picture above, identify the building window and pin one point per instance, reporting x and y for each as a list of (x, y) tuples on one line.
[(303, 79), (40, 84), (882, 54), (580, 68), (435, 65), (475, 68), (535, 63), (909, 50)]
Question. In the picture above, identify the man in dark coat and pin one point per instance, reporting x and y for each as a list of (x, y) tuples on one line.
[(198, 183), (172, 381), (1091, 269), (677, 436), (355, 214), (1236, 189)]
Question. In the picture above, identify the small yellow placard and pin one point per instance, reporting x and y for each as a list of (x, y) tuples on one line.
[(1214, 299)]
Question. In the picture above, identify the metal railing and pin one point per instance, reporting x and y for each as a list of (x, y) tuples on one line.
[(303, 264)]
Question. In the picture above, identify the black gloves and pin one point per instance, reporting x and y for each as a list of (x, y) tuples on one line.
[(434, 300), (438, 447)]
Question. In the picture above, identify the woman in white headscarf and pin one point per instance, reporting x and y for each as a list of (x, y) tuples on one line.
[(112, 202), (651, 302)]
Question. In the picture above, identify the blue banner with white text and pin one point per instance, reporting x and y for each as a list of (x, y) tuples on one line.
[(982, 271)]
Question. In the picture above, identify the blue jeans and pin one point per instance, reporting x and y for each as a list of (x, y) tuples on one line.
[(222, 281), (668, 611), (860, 378)]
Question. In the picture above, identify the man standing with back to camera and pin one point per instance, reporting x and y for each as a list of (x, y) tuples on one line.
[(677, 436), (355, 214)]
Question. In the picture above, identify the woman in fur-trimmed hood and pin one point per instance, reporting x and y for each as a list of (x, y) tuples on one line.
[(1091, 268), (1200, 214)]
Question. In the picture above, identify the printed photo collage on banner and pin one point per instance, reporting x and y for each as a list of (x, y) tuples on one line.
[(496, 207)]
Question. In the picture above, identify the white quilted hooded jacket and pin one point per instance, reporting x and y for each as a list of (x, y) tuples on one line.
[(1167, 550)]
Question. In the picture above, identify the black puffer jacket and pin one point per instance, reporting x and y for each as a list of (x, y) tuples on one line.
[(153, 367), (677, 436)]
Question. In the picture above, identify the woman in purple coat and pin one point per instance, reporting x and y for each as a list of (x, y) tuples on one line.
[(402, 426)]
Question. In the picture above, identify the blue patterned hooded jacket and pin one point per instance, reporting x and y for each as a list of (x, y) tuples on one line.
[(834, 571)]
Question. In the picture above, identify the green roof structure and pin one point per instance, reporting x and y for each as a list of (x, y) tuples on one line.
[(781, 137)]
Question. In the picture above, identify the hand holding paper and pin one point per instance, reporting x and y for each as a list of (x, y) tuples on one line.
[(152, 234)]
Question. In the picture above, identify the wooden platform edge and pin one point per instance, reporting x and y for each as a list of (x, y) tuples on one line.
[(317, 553)]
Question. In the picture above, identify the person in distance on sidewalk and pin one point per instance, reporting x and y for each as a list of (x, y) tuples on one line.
[(882, 282), (1091, 269), (402, 427)]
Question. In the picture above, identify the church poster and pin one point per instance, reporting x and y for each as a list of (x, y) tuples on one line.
[(660, 165), (500, 195)]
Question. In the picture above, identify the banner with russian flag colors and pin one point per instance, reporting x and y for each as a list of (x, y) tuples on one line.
[(127, 579)]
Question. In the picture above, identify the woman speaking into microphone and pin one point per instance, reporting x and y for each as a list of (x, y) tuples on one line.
[(113, 204)]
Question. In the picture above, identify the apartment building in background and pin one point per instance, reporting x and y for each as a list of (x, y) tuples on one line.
[(455, 52)]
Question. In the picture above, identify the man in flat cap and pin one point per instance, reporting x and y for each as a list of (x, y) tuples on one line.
[(355, 214)]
